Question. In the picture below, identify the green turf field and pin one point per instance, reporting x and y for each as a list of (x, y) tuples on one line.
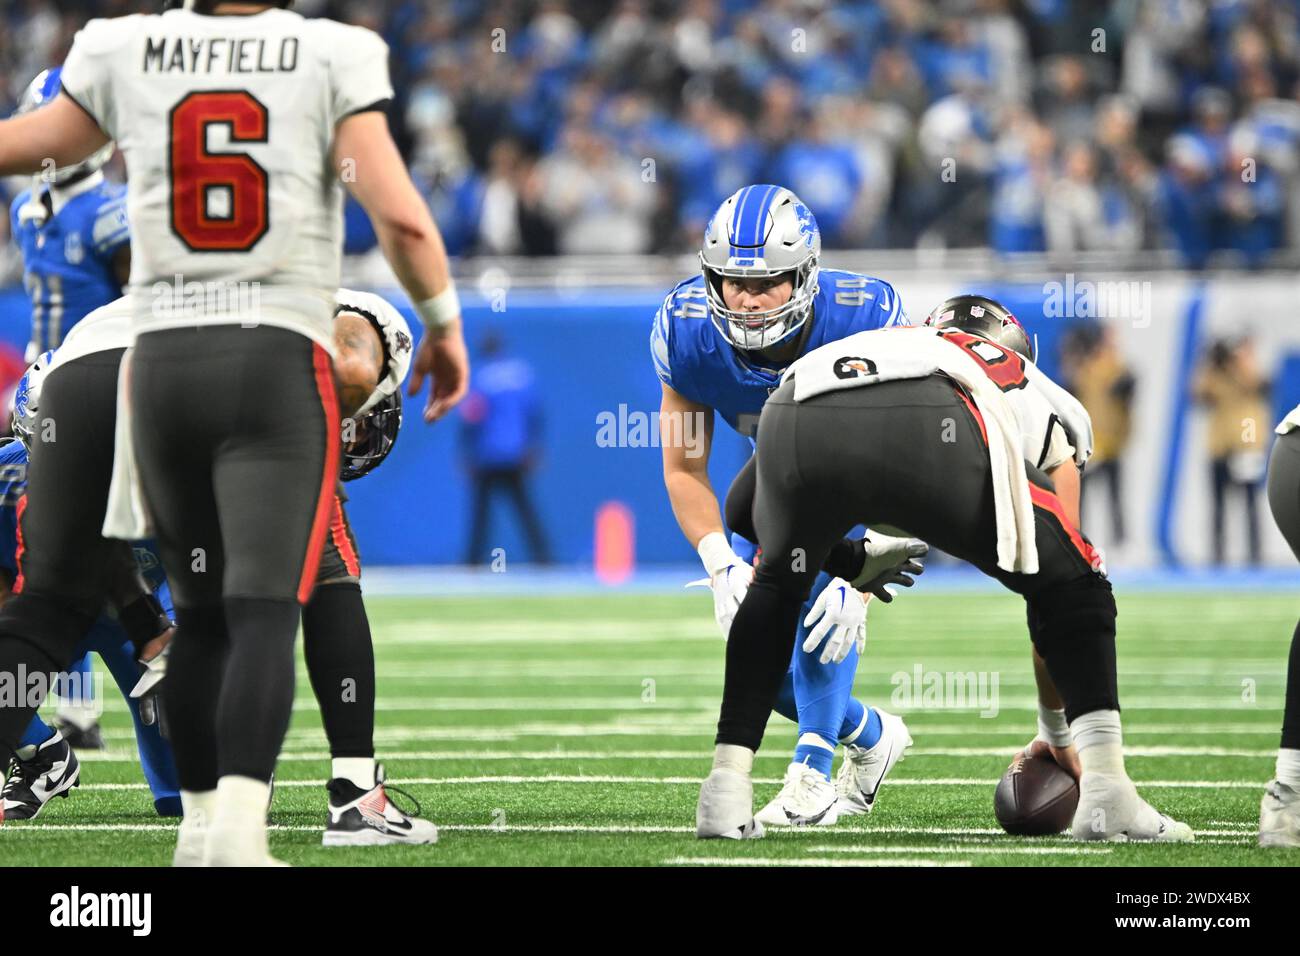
[(576, 730)]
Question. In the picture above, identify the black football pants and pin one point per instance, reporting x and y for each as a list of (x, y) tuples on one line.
[(237, 440), (910, 455)]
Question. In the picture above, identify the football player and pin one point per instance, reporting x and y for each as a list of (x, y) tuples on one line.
[(71, 228), (1279, 812), (238, 121), (920, 429), (720, 343), (45, 764)]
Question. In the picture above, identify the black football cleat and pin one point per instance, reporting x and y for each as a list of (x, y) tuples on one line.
[(368, 818), (30, 784)]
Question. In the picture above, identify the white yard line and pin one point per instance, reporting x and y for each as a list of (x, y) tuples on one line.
[(807, 861)]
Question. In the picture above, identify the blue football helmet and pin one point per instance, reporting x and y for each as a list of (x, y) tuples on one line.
[(26, 411), (758, 232), (42, 91)]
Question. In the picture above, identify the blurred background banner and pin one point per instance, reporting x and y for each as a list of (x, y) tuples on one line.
[(1125, 175)]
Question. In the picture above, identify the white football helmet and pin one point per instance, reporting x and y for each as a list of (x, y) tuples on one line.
[(761, 231), (25, 413), (395, 333)]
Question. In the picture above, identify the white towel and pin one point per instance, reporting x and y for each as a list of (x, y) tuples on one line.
[(895, 354), (126, 516)]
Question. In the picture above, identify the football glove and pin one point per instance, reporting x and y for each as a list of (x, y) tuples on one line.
[(147, 687), (729, 578), (843, 615), (889, 561)]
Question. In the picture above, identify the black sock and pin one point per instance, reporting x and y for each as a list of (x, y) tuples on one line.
[(1073, 627), (195, 666), (1291, 716), (38, 635), (257, 690), (758, 655), (341, 665)]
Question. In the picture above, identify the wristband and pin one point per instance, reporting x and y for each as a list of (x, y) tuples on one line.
[(440, 311), (715, 552), (1052, 726)]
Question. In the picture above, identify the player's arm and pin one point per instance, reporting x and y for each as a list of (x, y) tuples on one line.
[(358, 360), (686, 477), (62, 133), (139, 611), (372, 169), (686, 469)]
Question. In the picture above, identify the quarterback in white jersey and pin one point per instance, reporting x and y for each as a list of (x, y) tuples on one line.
[(238, 122)]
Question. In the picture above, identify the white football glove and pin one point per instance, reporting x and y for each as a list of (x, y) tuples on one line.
[(729, 578), (843, 613), (889, 561)]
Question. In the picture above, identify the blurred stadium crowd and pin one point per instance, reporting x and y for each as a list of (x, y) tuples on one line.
[(577, 126)]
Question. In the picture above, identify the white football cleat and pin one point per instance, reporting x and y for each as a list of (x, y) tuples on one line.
[(807, 799), (1110, 809), (864, 769), (48, 771), (1279, 816), (726, 807)]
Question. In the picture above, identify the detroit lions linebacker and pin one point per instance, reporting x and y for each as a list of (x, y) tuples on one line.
[(720, 343)]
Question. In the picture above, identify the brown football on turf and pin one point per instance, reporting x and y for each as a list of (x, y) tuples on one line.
[(1035, 797)]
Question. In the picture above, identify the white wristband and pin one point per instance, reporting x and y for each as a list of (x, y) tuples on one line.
[(715, 552), (440, 311), (1052, 726)]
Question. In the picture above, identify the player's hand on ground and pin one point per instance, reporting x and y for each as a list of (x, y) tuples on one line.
[(890, 561), (840, 612), (729, 585), (1067, 758), (446, 361)]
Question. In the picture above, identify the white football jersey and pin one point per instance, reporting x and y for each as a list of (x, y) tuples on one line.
[(227, 125), (885, 355), (1289, 424)]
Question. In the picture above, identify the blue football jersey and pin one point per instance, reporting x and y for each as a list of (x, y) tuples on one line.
[(13, 485), (68, 259), (692, 357)]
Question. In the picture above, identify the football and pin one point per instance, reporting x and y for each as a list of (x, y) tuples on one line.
[(1035, 797)]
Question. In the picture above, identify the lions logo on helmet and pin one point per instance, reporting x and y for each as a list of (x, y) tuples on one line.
[(759, 232), (25, 414), (41, 92)]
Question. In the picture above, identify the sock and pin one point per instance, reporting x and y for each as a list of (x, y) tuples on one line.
[(359, 771), (198, 805), (816, 752), (79, 714), (38, 731), (1099, 740), (240, 803), (1288, 767), (337, 647), (733, 757), (866, 729), (823, 693)]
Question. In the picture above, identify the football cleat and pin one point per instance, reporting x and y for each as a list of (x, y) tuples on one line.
[(191, 840), (726, 807), (368, 818), (78, 738), (1279, 816), (864, 768), (1111, 809), (807, 799), (50, 772)]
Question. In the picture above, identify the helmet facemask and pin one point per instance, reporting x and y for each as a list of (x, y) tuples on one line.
[(753, 331)]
